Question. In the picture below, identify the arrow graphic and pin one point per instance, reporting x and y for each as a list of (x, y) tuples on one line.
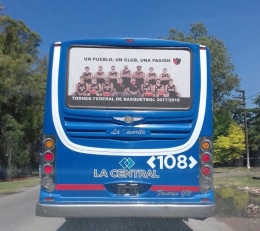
[(150, 162), (193, 162)]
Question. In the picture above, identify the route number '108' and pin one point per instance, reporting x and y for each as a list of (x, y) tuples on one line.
[(170, 161)]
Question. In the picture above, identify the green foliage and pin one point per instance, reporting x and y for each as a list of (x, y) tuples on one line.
[(223, 77), (224, 81), (22, 91), (17, 40), (11, 139), (254, 125), (231, 146), (12, 133), (225, 115)]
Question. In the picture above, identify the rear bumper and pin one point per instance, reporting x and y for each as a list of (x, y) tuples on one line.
[(126, 210)]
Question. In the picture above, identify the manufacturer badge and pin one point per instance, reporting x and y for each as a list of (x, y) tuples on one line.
[(129, 119)]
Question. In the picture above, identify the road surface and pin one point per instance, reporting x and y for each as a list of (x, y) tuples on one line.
[(17, 213)]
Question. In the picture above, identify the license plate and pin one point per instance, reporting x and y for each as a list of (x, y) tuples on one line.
[(127, 190)]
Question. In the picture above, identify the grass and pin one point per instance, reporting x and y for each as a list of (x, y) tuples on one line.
[(230, 169), (242, 181), (17, 185), (238, 176)]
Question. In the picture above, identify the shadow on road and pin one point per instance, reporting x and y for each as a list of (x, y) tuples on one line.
[(126, 224)]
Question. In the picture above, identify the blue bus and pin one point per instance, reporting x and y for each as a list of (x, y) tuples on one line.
[(127, 130)]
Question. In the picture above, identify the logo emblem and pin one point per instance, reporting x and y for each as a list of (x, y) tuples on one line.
[(128, 119), (127, 163), (176, 61)]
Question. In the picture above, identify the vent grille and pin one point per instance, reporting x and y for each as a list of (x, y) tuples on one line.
[(159, 129)]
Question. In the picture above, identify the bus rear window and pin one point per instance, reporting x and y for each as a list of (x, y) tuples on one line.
[(129, 78)]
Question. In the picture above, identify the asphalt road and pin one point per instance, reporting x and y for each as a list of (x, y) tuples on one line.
[(17, 214)]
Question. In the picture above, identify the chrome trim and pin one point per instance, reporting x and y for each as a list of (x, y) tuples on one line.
[(128, 119), (126, 210)]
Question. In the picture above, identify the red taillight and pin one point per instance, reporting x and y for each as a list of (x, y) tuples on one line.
[(205, 158), (129, 40), (206, 171), (48, 169), (48, 156)]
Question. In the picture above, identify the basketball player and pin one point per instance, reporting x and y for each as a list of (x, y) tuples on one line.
[(126, 74), (81, 88), (113, 75), (87, 75), (100, 75), (94, 88), (151, 76), (139, 76), (107, 87), (159, 89), (165, 77), (171, 90), (147, 89)]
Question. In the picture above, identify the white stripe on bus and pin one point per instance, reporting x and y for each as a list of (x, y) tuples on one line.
[(118, 151)]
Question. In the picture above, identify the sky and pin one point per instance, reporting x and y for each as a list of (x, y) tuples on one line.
[(236, 22)]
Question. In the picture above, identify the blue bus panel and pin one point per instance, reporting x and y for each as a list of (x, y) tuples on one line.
[(127, 130)]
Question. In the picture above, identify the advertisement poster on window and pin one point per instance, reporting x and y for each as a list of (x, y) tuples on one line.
[(109, 78)]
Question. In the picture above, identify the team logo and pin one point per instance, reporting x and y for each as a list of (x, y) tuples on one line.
[(176, 61), (127, 163)]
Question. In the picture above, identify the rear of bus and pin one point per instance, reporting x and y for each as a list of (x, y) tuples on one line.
[(125, 155)]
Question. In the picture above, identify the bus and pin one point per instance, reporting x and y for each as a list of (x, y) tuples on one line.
[(127, 130)]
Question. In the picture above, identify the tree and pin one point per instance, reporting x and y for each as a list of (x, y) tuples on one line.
[(254, 125), (11, 139), (22, 91), (222, 68), (229, 147), (224, 117)]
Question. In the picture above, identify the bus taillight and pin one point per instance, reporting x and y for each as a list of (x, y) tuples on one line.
[(48, 163), (205, 157), (49, 143), (206, 145), (48, 156), (48, 183), (206, 171), (206, 185), (47, 169), (206, 164)]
